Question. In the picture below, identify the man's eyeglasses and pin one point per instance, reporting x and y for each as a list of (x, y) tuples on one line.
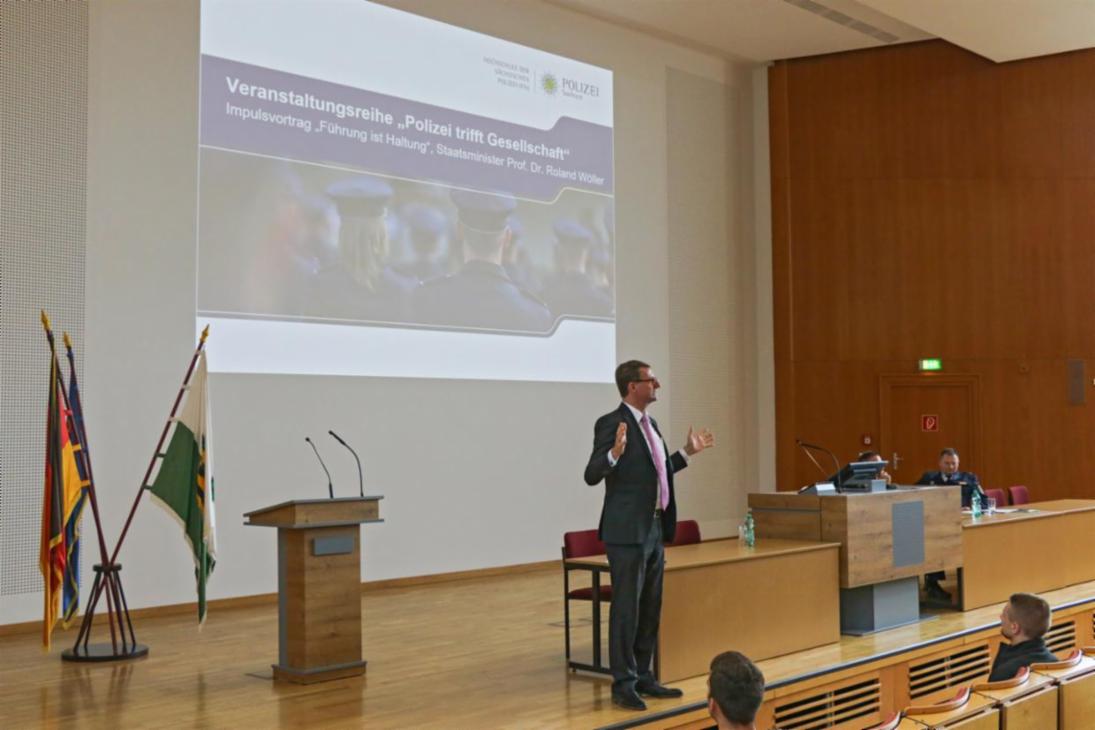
[(645, 380)]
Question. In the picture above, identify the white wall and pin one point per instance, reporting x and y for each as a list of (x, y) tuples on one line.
[(474, 474)]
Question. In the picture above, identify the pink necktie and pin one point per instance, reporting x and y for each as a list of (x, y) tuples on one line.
[(657, 451)]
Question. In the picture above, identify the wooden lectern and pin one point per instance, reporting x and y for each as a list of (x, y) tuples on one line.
[(887, 540), (319, 585)]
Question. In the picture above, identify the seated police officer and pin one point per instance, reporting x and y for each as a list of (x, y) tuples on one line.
[(948, 474), (481, 294)]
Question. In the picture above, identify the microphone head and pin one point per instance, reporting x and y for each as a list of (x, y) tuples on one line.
[(308, 439), (332, 433)]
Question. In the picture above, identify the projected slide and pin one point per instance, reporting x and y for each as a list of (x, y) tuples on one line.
[(383, 194)]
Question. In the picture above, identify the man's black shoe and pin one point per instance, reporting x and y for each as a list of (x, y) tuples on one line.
[(653, 689), (936, 593), (627, 699)]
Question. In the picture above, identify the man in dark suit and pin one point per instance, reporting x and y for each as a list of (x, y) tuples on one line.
[(639, 516), (948, 474)]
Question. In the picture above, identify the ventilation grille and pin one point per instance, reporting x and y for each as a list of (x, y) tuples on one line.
[(830, 709), (1061, 638), (842, 19), (952, 670)]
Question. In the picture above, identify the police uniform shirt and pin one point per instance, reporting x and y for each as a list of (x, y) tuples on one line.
[(481, 295)]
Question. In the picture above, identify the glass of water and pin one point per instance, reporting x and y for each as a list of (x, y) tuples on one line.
[(990, 503)]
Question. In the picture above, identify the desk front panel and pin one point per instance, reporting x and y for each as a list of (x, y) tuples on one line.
[(766, 606), (1027, 552)]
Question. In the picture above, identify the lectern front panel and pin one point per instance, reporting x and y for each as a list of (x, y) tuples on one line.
[(319, 576)]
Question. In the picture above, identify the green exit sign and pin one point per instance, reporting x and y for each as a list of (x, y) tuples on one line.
[(929, 364)]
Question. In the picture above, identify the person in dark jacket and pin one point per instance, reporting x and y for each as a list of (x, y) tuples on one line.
[(569, 290), (639, 516), (481, 295), (948, 474), (1023, 622), (361, 286)]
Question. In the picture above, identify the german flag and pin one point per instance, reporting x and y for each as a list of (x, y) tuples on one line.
[(61, 499)]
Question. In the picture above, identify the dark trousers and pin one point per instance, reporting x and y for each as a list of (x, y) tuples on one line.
[(636, 607)]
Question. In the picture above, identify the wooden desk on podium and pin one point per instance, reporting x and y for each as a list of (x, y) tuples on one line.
[(776, 598), (1045, 548), (319, 585), (887, 540)]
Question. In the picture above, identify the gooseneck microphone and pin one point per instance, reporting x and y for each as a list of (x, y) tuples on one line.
[(330, 486), (360, 474), (803, 445)]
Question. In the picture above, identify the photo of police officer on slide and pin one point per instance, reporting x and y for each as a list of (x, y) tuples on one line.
[(290, 241)]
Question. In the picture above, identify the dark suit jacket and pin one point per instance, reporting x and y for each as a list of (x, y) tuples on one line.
[(631, 487), (967, 479)]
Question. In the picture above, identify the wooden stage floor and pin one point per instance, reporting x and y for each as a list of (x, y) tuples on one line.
[(480, 652)]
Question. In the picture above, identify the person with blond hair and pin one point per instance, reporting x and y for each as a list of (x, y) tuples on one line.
[(361, 285)]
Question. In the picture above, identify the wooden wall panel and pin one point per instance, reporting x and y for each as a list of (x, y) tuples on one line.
[(928, 202), (1030, 435)]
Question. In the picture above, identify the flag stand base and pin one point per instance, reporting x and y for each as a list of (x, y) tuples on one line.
[(103, 653), (123, 642)]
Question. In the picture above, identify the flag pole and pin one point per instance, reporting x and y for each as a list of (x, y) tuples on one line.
[(105, 579), (158, 452), (81, 455), (106, 574)]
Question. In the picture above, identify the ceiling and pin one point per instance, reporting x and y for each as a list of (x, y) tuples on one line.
[(768, 30)]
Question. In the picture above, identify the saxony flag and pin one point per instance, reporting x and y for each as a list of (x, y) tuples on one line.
[(184, 484)]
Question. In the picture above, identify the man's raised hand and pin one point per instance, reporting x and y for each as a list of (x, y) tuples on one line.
[(698, 441), (621, 441)]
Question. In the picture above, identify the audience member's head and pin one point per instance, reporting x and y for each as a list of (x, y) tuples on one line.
[(735, 690), (948, 461), (1025, 616)]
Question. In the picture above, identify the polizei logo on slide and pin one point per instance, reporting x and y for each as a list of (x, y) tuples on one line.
[(549, 84)]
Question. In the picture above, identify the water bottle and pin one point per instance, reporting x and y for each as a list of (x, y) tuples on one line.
[(975, 503), (750, 530)]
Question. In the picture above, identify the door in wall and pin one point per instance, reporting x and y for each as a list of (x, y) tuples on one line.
[(923, 414)]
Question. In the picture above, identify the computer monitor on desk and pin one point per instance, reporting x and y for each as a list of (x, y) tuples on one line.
[(860, 476)]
